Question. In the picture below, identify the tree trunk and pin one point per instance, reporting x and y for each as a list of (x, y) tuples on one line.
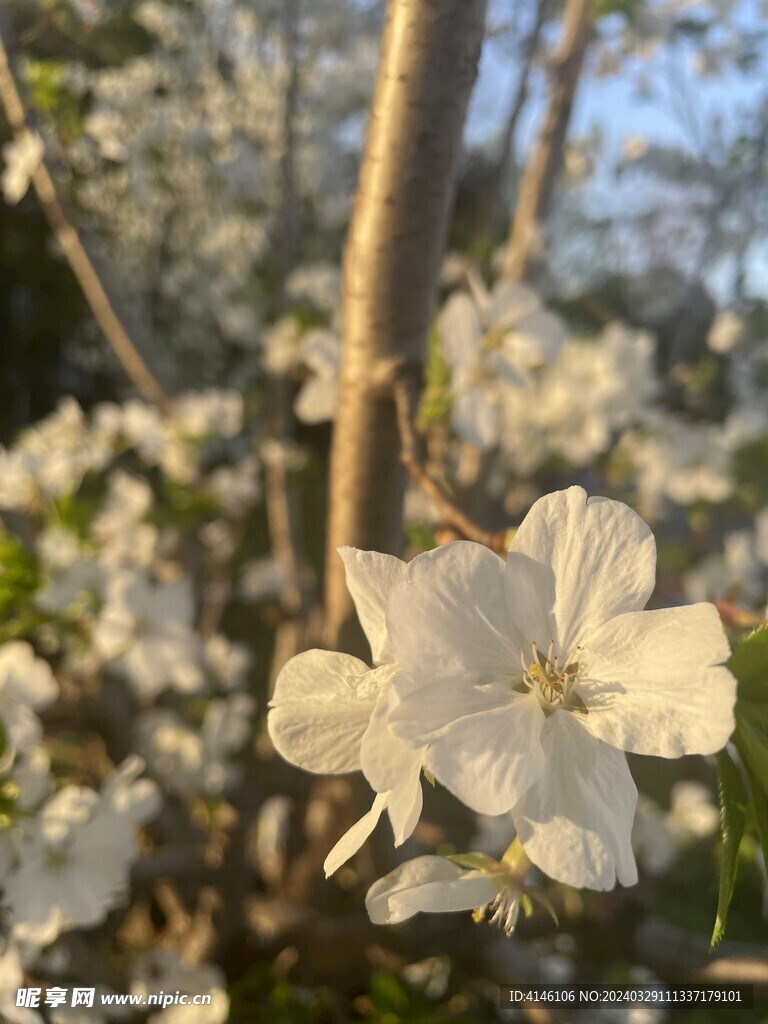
[(492, 203), (526, 241), (427, 68)]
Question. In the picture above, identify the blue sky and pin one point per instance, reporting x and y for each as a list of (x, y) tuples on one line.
[(619, 107)]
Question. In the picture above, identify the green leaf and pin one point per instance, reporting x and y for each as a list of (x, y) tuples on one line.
[(752, 738), (758, 801), (732, 818), (473, 861), (749, 663)]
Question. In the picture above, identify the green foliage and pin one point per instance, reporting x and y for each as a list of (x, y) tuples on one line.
[(19, 579), (50, 95), (732, 819), (604, 8), (749, 663), (436, 400), (421, 537), (391, 1001)]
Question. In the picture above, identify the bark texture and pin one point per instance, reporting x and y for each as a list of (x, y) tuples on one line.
[(537, 186), (427, 68)]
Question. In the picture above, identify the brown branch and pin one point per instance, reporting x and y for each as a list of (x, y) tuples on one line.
[(69, 240), (452, 515)]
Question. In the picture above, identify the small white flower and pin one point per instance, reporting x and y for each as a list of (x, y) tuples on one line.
[(27, 685), (164, 970), (439, 885), (145, 630), (11, 980), (533, 679), (22, 159), (73, 858), (316, 401), (492, 343)]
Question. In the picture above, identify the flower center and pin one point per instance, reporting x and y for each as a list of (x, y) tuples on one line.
[(550, 681), (504, 910)]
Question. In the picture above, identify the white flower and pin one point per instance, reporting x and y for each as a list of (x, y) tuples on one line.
[(211, 413), (22, 158), (330, 712), (261, 579), (73, 858), (272, 826), (124, 540), (11, 980), (236, 488), (228, 662), (615, 370), (493, 342), (534, 678), (187, 760), (736, 574), (725, 332), (145, 629), (163, 970), (439, 885), (321, 353), (26, 685)]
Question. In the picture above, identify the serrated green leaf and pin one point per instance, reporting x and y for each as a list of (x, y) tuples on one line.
[(732, 818), (473, 861), (758, 801), (749, 663)]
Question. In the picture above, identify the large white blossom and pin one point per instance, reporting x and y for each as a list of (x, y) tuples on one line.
[(330, 712), (529, 680)]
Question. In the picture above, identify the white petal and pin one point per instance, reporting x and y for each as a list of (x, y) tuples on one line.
[(370, 579), (601, 553), (425, 883), (317, 399), (384, 757), (427, 712), (508, 303), (448, 619), (354, 837), (487, 758), (475, 417), (655, 685), (460, 330), (317, 718), (575, 822), (404, 804)]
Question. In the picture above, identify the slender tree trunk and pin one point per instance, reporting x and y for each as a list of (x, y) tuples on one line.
[(427, 68), (537, 186), (499, 173)]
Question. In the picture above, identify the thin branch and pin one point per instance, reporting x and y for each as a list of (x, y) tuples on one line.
[(72, 247), (452, 515)]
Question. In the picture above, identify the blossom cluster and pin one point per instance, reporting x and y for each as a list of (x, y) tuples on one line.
[(114, 524)]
